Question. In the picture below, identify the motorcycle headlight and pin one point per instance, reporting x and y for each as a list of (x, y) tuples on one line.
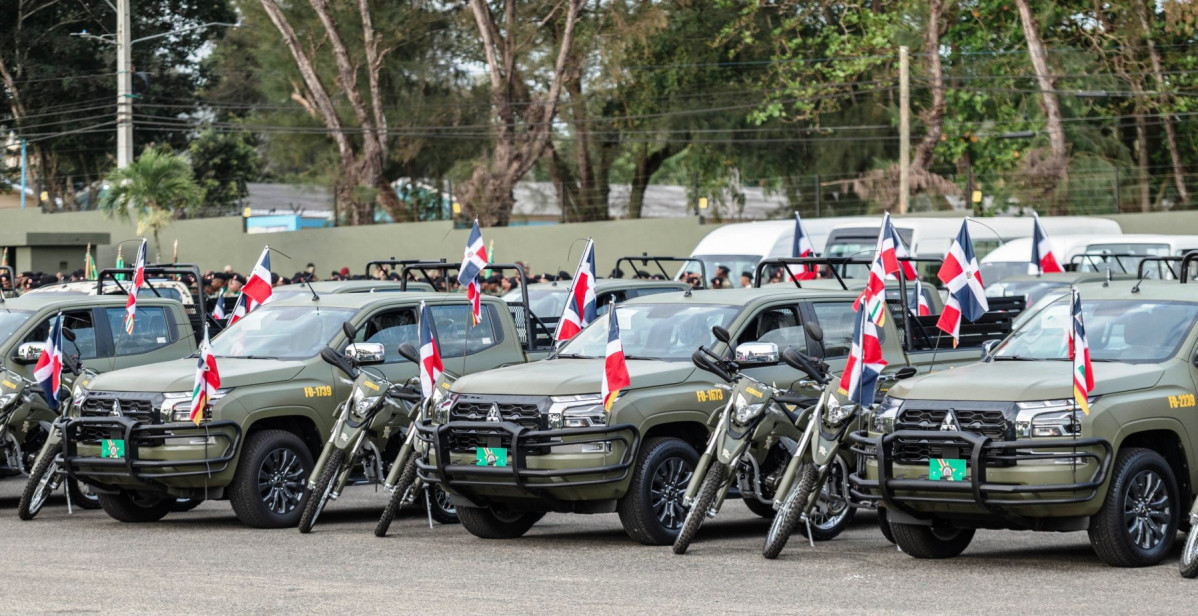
[(580, 411), (7, 399), (835, 413), (1048, 419), (884, 416), (746, 412), (176, 406)]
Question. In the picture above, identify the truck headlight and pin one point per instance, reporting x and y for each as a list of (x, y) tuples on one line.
[(441, 410), (883, 419), (176, 406), (1048, 419), (580, 411), (746, 412)]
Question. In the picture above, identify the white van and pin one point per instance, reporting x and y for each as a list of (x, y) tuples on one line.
[(1079, 252), (741, 246)]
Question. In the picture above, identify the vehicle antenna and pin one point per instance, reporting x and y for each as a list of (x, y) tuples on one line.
[(569, 253), (1135, 289), (308, 283), (996, 235)]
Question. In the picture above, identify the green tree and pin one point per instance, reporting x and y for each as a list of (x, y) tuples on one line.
[(153, 190), (223, 163)]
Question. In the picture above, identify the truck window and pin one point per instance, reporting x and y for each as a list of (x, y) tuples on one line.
[(836, 319), (457, 337), (80, 322), (392, 328), (780, 325), (151, 331)]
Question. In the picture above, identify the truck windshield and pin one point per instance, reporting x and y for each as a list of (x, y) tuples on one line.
[(281, 332), (11, 321), (670, 332), (1116, 330), (545, 303)]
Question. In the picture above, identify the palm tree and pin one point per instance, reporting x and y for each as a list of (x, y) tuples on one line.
[(150, 190)]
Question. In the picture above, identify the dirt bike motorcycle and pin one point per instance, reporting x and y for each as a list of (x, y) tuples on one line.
[(813, 490), (369, 420), (1189, 553), (402, 482), (753, 441)]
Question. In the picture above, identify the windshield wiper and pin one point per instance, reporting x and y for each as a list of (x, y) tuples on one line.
[(1015, 358), (573, 356), (643, 357)]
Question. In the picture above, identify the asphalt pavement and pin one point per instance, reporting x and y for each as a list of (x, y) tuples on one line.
[(206, 562)]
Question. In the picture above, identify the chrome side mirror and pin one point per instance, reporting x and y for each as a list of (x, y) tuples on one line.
[(366, 353), (30, 352), (988, 346), (756, 353)]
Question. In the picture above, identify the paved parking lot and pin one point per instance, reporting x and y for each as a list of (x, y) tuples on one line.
[(206, 562)]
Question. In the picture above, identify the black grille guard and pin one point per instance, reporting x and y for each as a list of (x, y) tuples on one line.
[(138, 434)]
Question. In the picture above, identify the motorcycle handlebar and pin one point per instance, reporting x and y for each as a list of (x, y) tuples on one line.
[(703, 362), (801, 361)]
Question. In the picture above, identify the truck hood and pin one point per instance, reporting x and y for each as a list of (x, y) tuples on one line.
[(179, 375), (565, 377), (1021, 381)]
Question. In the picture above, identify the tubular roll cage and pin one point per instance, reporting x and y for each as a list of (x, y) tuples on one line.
[(646, 259), (1181, 273), (444, 268), (1097, 259), (515, 475), (164, 270), (137, 433), (390, 263), (976, 490)]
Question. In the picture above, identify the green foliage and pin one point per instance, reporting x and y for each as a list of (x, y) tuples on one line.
[(152, 190), (223, 163)]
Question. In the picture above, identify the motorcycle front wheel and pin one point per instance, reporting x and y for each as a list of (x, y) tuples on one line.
[(44, 479), (791, 513), (324, 489), (698, 511), (398, 496), (1189, 555)]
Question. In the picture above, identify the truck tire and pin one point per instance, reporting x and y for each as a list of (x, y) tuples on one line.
[(833, 512), (82, 495), (884, 525), (698, 510), (487, 523), (269, 485), (319, 497), (443, 511), (1189, 556), (133, 508), (1138, 521), (395, 503), (939, 541), (185, 504), (44, 479), (765, 510), (652, 511), (790, 515)]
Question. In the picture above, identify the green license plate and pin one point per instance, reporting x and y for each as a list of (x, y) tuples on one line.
[(112, 448), (946, 469), (490, 456)]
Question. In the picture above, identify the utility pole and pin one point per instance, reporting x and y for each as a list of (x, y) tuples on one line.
[(124, 86), (24, 170), (904, 129)]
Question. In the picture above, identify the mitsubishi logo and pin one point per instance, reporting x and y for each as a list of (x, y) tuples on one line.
[(950, 422), (116, 408), (493, 414)]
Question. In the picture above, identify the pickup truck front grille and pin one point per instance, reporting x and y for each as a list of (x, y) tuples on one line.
[(522, 410), (987, 422), (139, 406)]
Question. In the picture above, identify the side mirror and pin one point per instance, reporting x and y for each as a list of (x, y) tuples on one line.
[(30, 352), (721, 334), (69, 334), (366, 353), (905, 372), (756, 353), (987, 347), (409, 352), (350, 331), (814, 331)]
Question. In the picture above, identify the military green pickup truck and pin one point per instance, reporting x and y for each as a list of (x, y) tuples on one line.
[(130, 438), (1002, 444), (564, 453)]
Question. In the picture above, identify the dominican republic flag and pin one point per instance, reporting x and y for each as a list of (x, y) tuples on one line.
[(917, 303), (218, 312), (1043, 259), (860, 378), (963, 279), (242, 307), (430, 356), (258, 286), (900, 251), (802, 248), (474, 261), (48, 371), (873, 299), (139, 281), (1079, 352), (581, 304), (615, 369), (207, 381)]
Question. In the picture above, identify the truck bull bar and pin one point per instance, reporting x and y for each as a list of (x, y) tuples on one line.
[(516, 474), (137, 434), (979, 451)]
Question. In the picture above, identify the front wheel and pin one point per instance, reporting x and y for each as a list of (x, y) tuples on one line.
[(491, 523), (324, 489), (398, 496), (884, 525), (133, 507), (268, 487), (1189, 555), (82, 495), (791, 512), (1138, 521), (651, 511), (443, 511), (937, 541), (698, 511), (832, 512), (44, 479)]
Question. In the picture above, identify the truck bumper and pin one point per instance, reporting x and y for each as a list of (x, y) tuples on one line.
[(1015, 481), (161, 456), (538, 471)]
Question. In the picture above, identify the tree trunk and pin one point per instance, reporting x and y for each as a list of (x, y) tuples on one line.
[(1048, 99), (647, 164), (933, 116), (1170, 135), (564, 185)]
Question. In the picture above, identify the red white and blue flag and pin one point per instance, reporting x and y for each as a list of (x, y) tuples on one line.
[(1079, 352), (918, 303), (431, 366), (615, 369), (48, 371), (258, 286), (207, 381), (218, 311), (474, 261), (581, 307), (802, 249), (139, 281), (873, 299), (860, 378), (963, 280), (900, 251), (1044, 261)]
